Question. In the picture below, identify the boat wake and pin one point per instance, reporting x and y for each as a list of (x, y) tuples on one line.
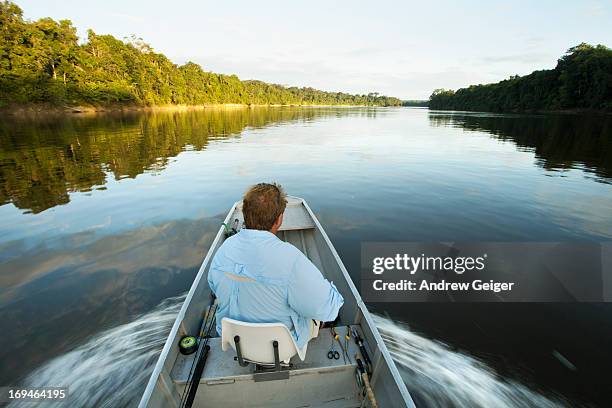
[(439, 377), (112, 368)]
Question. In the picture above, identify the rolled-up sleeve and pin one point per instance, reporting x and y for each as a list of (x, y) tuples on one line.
[(310, 294)]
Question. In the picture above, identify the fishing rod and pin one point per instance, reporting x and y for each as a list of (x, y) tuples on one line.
[(197, 366), (362, 349), (365, 380)]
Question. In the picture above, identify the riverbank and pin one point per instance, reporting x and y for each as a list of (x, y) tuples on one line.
[(54, 110), (574, 111)]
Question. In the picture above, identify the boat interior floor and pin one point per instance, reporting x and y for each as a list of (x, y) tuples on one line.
[(221, 364), (333, 380)]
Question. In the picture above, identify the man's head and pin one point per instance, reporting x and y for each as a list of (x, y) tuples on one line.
[(263, 206)]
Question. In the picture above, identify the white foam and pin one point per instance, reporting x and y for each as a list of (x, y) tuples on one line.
[(111, 369), (440, 377)]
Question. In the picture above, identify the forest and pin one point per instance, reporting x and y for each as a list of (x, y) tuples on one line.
[(582, 80), (43, 62), (416, 103)]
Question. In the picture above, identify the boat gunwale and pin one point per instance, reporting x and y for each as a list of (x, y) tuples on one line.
[(161, 360)]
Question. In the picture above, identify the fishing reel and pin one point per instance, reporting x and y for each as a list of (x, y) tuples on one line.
[(228, 232), (188, 345)]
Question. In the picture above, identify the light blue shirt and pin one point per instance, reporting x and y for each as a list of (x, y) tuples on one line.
[(258, 278)]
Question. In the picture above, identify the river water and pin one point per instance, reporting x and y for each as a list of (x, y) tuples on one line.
[(104, 221)]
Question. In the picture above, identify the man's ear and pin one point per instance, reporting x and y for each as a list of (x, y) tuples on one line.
[(278, 222)]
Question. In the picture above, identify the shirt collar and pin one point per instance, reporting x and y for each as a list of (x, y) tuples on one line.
[(256, 233)]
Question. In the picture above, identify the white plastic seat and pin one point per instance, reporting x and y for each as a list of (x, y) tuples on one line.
[(256, 341)]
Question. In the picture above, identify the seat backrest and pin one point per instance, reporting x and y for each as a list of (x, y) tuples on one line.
[(256, 340)]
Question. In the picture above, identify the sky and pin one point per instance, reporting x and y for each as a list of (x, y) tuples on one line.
[(397, 48)]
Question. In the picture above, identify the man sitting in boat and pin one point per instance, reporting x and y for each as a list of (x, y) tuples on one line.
[(258, 278)]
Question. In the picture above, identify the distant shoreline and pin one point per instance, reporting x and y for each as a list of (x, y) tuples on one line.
[(54, 110), (44, 109), (573, 111)]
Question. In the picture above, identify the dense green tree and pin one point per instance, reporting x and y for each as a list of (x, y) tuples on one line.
[(416, 103), (42, 61), (582, 79)]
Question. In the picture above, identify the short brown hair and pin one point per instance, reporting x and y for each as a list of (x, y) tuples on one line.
[(262, 204)]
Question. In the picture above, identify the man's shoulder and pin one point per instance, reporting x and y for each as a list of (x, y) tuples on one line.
[(229, 241), (286, 247), (274, 245), (276, 249), (227, 247)]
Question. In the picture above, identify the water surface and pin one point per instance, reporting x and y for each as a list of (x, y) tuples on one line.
[(101, 218)]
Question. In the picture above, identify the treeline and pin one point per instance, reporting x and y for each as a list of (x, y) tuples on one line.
[(43, 62), (416, 103), (581, 80)]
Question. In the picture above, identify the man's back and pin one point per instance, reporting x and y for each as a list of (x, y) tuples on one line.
[(260, 279)]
